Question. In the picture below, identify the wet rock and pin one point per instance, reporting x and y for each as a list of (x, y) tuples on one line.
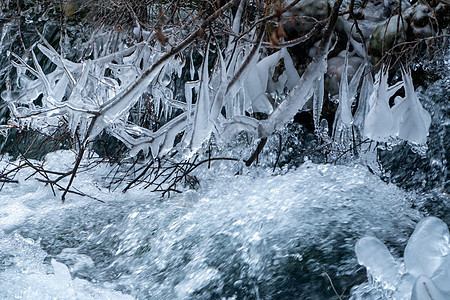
[(318, 9), (297, 25), (420, 20), (335, 69), (385, 35)]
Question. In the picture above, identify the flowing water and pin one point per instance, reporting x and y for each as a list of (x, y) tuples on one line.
[(254, 236)]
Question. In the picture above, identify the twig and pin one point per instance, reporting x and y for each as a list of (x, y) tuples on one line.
[(332, 285), (257, 151), (279, 151)]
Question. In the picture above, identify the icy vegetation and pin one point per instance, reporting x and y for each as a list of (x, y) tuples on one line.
[(423, 273), (184, 96), (99, 94)]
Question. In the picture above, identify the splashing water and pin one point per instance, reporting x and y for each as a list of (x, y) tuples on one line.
[(252, 236)]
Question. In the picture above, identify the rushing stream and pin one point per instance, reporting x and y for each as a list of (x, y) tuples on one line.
[(261, 235), (255, 236)]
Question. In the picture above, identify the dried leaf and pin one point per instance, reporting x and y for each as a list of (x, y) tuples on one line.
[(161, 37), (280, 32), (274, 41)]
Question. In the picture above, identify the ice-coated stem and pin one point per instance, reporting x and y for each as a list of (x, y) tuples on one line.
[(122, 102), (301, 92)]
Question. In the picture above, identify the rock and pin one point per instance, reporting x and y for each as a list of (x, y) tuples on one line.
[(318, 9), (335, 69), (384, 36), (380, 10), (420, 21), (297, 26)]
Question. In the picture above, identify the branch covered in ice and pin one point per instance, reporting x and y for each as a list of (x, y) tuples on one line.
[(121, 85)]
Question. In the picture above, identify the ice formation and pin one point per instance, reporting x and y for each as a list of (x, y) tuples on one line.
[(406, 120), (412, 121), (109, 92), (379, 121), (24, 276), (98, 94), (426, 271), (343, 121), (377, 259)]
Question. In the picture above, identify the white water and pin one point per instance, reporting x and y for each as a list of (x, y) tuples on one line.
[(249, 236)]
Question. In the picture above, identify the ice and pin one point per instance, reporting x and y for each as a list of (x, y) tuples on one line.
[(412, 121), (255, 90), (363, 106), (319, 91), (428, 248), (12, 216), (202, 125), (273, 79), (23, 275), (426, 272), (191, 65), (343, 120), (379, 121), (441, 276), (107, 94), (425, 289), (62, 274), (296, 98), (407, 119), (377, 259)]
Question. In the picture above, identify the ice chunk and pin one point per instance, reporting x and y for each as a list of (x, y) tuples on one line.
[(62, 274), (427, 248), (377, 259), (425, 289), (441, 276)]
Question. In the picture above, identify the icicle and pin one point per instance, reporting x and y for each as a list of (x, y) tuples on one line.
[(342, 127), (363, 107), (297, 97), (202, 126), (412, 121), (188, 96), (191, 65), (379, 122), (318, 94), (217, 105)]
